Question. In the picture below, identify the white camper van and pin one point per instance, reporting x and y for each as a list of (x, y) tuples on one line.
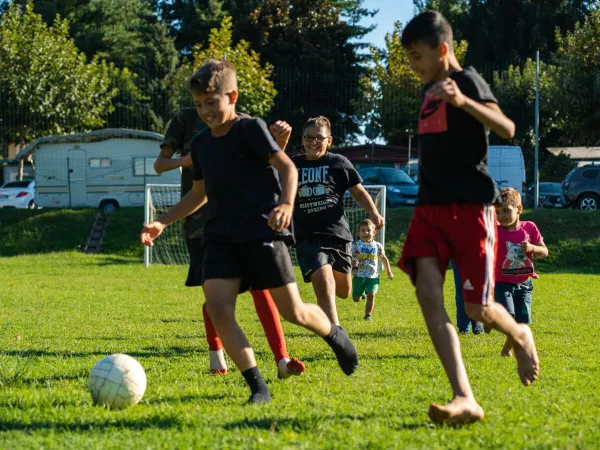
[(507, 166), (105, 168)]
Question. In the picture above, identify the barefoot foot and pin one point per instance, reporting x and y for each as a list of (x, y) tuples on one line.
[(528, 364), (458, 411)]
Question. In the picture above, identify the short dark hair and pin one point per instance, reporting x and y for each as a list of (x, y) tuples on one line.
[(213, 76), (317, 122), (366, 223), (429, 27)]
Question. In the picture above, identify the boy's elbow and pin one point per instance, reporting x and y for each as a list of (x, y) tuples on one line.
[(510, 130), (158, 167)]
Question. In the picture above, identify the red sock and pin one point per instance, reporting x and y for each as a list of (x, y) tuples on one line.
[(269, 318), (214, 343)]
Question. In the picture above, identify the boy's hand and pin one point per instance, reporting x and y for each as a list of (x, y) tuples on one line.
[(150, 232), (186, 161), (377, 219), (280, 217), (355, 263), (281, 131), (390, 275), (447, 90), (526, 247)]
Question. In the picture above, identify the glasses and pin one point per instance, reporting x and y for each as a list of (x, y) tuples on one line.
[(320, 139)]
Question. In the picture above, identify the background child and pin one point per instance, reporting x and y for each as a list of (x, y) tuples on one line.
[(365, 258), (518, 243)]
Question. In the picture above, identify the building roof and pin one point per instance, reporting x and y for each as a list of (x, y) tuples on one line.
[(578, 153), (92, 136)]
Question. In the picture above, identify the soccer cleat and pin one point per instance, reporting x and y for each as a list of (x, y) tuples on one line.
[(218, 372), (287, 367), (344, 349), (368, 317)]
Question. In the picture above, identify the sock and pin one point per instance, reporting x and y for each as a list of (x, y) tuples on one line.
[(343, 348), (214, 343), (217, 360), (258, 388), (269, 318)]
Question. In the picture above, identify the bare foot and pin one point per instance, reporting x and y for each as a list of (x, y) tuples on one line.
[(506, 352), (528, 364), (508, 346), (457, 411), (487, 328)]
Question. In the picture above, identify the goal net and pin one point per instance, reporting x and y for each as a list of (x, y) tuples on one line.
[(169, 247)]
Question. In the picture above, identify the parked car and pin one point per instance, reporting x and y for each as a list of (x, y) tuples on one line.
[(18, 194), (550, 195), (400, 188), (581, 188)]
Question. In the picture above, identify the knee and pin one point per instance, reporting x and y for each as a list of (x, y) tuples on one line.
[(219, 312), (477, 312), (297, 316), (428, 292), (343, 291)]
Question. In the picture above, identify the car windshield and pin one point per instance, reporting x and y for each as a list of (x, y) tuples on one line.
[(550, 188), (396, 176), (17, 184)]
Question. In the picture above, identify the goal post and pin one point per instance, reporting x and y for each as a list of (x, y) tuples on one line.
[(169, 248)]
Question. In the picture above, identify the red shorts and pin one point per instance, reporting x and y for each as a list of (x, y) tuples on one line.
[(465, 233)]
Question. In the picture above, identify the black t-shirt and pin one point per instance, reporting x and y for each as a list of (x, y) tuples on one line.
[(454, 148), (183, 127), (322, 183), (241, 186)]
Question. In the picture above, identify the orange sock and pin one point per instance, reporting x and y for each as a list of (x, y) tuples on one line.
[(214, 343), (269, 318)]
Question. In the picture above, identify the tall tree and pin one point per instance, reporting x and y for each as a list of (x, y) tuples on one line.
[(46, 85), (316, 56)]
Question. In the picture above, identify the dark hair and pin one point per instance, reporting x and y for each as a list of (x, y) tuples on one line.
[(366, 223), (213, 76), (318, 122), (429, 27)]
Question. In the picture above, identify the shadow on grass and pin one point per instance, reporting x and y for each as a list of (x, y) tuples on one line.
[(145, 352), (143, 423), (365, 357)]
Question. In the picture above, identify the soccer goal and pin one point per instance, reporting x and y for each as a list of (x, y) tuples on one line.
[(170, 246)]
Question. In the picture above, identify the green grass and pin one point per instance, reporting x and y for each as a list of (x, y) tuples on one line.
[(62, 312)]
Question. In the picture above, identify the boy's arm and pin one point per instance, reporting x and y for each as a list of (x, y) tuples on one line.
[(538, 250), (488, 113), (386, 265), (190, 203), (281, 216), (366, 202), (281, 131), (166, 162)]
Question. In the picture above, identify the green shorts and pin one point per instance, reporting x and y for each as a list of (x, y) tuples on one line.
[(362, 286)]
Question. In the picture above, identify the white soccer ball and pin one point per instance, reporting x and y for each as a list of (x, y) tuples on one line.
[(117, 381)]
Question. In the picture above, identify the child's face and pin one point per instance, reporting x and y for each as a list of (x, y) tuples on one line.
[(427, 62), (215, 108), (508, 215), (366, 233), (315, 141)]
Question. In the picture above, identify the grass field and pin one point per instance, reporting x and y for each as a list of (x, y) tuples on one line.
[(61, 311)]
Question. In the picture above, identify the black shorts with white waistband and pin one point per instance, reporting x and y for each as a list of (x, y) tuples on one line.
[(316, 253)]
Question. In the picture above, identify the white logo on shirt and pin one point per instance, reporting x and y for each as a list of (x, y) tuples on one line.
[(468, 286)]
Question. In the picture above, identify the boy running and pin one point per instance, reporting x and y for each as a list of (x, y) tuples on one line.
[(366, 253), (251, 185), (518, 242), (320, 224), (454, 217), (182, 128)]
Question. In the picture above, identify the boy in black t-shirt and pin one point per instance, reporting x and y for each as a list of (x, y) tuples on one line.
[(322, 232), (251, 184), (178, 138), (454, 217)]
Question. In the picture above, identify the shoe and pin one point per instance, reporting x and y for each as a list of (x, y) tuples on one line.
[(288, 367), (364, 297), (218, 372), (368, 317)]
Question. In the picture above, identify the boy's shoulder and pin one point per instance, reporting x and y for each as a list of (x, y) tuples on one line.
[(473, 85), (529, 225)]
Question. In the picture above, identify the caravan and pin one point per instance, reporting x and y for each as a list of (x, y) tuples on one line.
[(105, 168), (507, 167)]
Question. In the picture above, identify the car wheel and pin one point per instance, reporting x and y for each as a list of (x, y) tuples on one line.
[(588, 202), (109, 206)]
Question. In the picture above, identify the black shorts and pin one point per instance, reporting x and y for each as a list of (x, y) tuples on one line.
[(260, 265), (196, 251), (316, 253)]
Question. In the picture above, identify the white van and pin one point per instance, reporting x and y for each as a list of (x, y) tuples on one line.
[(507, 166)]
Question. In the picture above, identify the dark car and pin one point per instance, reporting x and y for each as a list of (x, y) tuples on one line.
[(550, 195), (581, 188), (400, 188)]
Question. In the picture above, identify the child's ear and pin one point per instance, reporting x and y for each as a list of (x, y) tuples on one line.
[(519, 209), (233, 96)]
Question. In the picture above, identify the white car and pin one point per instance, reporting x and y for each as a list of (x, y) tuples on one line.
[(18, 194)]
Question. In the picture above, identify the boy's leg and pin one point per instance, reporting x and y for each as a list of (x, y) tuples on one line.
[(221, 297), (269, 318), (503, 295), (463, 322), (343, 284), (342, 268), (358, 288), (324, 286), (370, 305), (429, 285)]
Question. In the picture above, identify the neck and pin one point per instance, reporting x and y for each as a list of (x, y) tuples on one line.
[(513, 226), (224, 128), (450, 65)]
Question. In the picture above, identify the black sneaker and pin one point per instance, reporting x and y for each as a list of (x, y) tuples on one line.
[(368, 317), (344, 349)]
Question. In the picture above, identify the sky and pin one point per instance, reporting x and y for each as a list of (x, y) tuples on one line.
[(389, 12)]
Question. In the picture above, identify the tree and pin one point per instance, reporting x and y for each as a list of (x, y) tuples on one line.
[(256, 89), (392, 92), (46, 85), (556, 167), (316, 55)]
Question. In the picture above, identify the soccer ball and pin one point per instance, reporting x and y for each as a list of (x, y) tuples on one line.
[(117, 381)]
